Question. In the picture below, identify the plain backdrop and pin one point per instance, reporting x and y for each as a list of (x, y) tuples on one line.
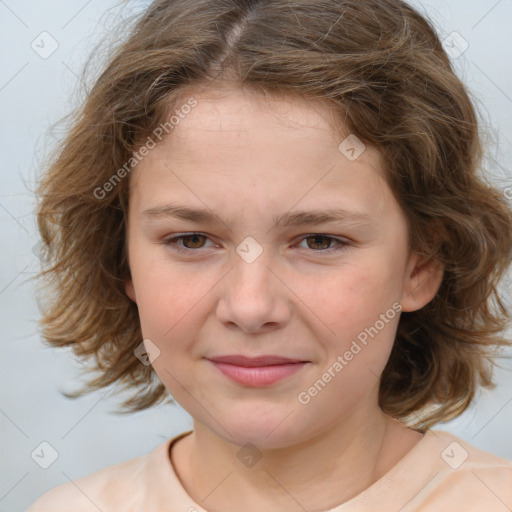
[(35, 91)]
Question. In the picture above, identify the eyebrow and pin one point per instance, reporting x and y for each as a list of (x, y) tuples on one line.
[(296, 218)]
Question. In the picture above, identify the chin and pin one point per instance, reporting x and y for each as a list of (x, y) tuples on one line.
[(266, 432)]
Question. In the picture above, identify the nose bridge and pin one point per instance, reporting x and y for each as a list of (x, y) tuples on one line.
[(252, 272), (251, 297)]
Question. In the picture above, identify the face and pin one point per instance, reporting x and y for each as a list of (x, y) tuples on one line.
[(275, 309)]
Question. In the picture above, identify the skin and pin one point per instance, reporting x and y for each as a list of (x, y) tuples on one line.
[(248, 159)]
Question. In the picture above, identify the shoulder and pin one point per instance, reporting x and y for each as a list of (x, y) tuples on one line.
[(467, 476), (458, 454), (116, 487)]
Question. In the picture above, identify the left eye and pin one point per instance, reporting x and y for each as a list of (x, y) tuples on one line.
[(191, 241)]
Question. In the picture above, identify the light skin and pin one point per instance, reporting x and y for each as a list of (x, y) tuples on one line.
[(249, 159)]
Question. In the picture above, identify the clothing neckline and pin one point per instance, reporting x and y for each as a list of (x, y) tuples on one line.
[(398, 475)]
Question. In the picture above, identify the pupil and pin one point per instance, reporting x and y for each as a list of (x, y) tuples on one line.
[(194, 237), (316, 238)]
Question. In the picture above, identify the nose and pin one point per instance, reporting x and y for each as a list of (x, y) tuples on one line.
[(253, 297)]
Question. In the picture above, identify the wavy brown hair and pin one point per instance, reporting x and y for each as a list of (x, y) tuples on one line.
[(381, 67)]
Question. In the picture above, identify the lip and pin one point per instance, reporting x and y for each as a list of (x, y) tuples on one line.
[(250, 362), (257, 371)]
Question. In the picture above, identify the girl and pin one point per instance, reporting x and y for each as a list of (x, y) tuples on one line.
[(276, 209)]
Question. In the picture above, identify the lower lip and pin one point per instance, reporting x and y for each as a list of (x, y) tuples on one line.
[(258, 376)]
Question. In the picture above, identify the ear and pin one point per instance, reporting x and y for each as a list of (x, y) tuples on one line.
[(422, 281), (130, 290)]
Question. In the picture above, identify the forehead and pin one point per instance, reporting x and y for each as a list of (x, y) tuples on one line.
[(227, 119), (264, 148), (247, 111)]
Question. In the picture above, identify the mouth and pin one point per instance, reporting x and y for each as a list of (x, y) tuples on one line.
[(257, 371)]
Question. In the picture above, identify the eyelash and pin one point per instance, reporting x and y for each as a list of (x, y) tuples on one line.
[(173, 241)]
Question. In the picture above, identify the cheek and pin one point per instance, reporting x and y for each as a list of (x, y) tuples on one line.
[(352, 297), (166, 297), (359, 305)]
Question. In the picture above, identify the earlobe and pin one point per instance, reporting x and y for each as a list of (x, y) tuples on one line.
[(130, 290), (422, 283)]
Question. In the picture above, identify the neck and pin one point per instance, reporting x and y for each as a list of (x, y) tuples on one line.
[(319, 473)]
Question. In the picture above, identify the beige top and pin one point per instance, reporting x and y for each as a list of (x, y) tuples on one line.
[(440, 474)]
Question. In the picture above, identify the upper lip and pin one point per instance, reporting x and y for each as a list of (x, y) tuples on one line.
[(239, 360)]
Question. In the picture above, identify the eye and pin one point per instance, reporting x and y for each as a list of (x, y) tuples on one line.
[(190, 242), (320, 241), (186, 242)]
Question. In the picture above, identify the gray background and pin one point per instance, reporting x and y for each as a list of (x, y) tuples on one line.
[(36, 92)]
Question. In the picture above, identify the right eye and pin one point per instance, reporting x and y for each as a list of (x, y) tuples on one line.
[(187, 242)]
